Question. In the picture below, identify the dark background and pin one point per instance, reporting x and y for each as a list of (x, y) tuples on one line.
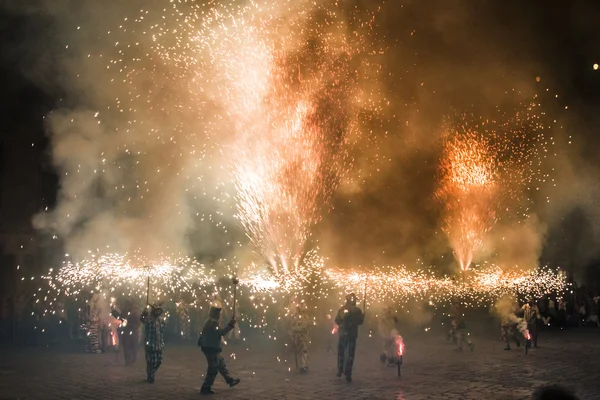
[(561, 36)]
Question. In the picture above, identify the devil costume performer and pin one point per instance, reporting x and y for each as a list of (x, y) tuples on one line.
[(348, 318), (210, 342), (301, 338), (154, 329)]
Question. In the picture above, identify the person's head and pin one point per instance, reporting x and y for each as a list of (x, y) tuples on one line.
[(156, 310), (301, 310), (553, 392), (215, 312), (351, 299)]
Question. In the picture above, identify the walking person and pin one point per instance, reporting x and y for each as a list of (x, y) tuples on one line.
[(348, 319), (210, 342)]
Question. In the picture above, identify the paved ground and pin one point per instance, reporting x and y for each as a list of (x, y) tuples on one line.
[(431, 370)]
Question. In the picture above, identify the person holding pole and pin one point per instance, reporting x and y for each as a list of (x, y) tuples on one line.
[(210, 342), (348, 319)]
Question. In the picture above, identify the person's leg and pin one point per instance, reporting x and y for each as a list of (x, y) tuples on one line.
[(212, 361), (342, 344), (225, 372), (149, 368), (350, 361), (535, 333)]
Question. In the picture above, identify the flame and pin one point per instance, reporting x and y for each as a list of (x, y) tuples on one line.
[(335, 329), (399, 342)]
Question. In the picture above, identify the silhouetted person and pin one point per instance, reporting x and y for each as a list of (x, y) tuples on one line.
[(348, 318), (210, 342)]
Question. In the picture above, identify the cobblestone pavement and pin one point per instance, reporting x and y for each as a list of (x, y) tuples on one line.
[(431, 370)]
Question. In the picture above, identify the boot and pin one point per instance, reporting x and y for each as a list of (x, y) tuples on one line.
[(205, 390), (233, 382)]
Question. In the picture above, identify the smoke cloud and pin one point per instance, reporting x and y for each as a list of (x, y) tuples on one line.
[(137, 174)]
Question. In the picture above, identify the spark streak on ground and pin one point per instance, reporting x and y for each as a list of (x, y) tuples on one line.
[(467, 189)]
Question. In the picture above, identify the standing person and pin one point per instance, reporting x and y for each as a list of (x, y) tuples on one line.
[(301, 337), (461, 333), (154, 328), (530, 315), (508, 327), (453, 317), (210, 342), (348, 319), (92, 339), (129, 330), (184, 321), (459, 323)]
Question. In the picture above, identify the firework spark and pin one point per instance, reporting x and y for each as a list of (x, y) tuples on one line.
[(467, 189), (114, 273)]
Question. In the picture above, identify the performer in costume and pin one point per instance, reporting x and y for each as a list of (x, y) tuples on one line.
[(154, 328), (348, 319)]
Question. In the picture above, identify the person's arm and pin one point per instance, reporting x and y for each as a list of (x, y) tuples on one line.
[(144, 316), (338, 318), (221, 331)]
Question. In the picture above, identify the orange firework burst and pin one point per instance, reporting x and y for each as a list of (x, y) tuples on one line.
[(467, 189)]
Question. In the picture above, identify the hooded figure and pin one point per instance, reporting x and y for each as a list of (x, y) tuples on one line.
[(301, 338), (210, 342), (129, 330), (154, 328), (348, 319)]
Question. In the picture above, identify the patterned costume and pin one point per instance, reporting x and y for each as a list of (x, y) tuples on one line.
[(184, 321), (210, 342), (301, 338), (348, 318), (154, 328), (532, 316), (92, 339)]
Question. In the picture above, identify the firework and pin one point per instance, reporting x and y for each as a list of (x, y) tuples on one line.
[(467, 190), (128, 275), (292, 149), (486, 284)]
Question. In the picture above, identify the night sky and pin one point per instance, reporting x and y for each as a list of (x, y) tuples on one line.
[(560, 38)]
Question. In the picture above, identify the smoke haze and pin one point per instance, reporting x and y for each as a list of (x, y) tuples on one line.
[(137, 174)]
